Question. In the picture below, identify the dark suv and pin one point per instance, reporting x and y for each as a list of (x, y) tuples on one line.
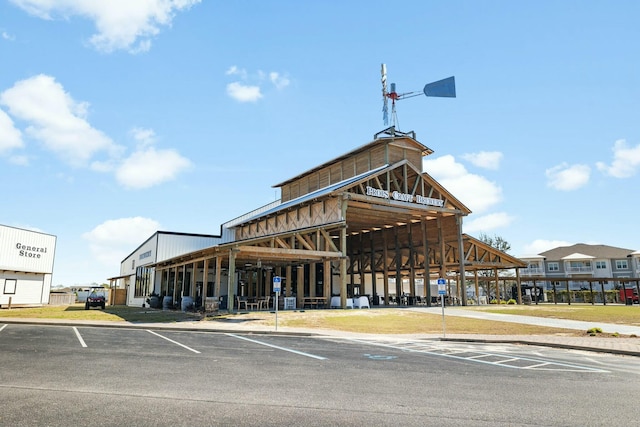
[(96, 298)]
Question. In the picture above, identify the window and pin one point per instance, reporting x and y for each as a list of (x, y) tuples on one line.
[(621, 264), (143, 282), (10, 286), (133, 264), (553, 266), (601, 265)]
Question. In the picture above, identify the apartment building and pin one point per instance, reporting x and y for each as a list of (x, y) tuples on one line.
[(580, 266)]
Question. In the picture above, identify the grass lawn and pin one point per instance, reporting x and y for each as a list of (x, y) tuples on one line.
[(109, 314), (382, 321), (622, 314), (399, 321)]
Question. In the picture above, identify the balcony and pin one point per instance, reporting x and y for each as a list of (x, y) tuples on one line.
[(583, 269), (532, 271)]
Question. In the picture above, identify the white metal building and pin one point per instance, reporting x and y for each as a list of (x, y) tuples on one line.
[(26, 266), (139, 280)]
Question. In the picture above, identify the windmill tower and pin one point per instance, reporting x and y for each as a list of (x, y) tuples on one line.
[(445, 88)]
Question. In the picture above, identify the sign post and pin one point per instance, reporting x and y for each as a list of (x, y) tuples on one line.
[(276, 289), (442, 291)]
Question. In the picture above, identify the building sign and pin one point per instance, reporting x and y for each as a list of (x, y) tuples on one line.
[(26, 251), (404, 197), (30, 251)]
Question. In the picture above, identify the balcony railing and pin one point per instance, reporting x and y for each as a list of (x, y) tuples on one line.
[(579, 269), (532, 271)]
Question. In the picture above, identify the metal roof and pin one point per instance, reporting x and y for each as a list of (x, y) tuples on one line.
[(313, 195)]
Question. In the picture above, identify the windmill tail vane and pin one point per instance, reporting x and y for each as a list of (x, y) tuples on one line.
[(445, 88)]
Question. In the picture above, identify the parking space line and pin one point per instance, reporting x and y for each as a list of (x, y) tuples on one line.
[(290, 350), (507, 360), (82, 343), (172, 341), (3, 326), (533, 364)]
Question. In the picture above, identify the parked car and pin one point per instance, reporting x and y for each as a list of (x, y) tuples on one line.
[(96, 298)]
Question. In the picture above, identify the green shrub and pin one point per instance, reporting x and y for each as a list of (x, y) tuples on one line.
[(594, 331), (511, 301)]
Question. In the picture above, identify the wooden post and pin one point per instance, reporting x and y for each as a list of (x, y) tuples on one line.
[(326, 281), (343, 267), (218, 276), (385, 271), (205, 281), (495, 277), (427, 272), (312, 279), (462, 284), (300, 286)]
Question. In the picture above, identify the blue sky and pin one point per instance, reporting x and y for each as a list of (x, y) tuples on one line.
[(121, 118)]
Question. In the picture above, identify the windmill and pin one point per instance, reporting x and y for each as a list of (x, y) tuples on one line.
[(445, 88)]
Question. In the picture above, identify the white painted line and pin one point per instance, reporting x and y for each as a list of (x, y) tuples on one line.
[(82, 343), (537, 366), (313, 356), (566, 367), (506, 360), (4, 326), (174, 342)]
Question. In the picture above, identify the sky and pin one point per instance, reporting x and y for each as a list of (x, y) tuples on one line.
[(122, 118)]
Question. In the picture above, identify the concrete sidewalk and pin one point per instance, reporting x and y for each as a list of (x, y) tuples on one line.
[(622, 345)]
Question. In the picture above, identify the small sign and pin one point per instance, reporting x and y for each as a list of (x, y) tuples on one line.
[(276, 284), (442, 287)]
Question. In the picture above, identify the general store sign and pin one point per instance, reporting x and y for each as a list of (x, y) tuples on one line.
[(404, 197)]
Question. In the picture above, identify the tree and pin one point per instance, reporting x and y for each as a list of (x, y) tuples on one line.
[(496, 242), (502, 245)]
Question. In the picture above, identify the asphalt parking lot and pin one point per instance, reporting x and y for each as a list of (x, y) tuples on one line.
[(64, 375)]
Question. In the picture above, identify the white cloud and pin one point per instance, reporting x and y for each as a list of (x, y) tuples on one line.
[(249, 87), (541, 245), (243, 93), (279, 81), (10, 137), (476, 192), (487, 223), (56, 119), (111, 241), (145, 137), (566, 177), (148, 167), (59, 122), (485, 159), (235, 71), (120, 24), (626, 160), (7, 36)]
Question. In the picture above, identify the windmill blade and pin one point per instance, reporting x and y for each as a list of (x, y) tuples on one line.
[(445, 88)]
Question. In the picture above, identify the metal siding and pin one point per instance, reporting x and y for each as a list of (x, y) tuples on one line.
[(13, 258), (170, 245), (150, 245), (29, 289)]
